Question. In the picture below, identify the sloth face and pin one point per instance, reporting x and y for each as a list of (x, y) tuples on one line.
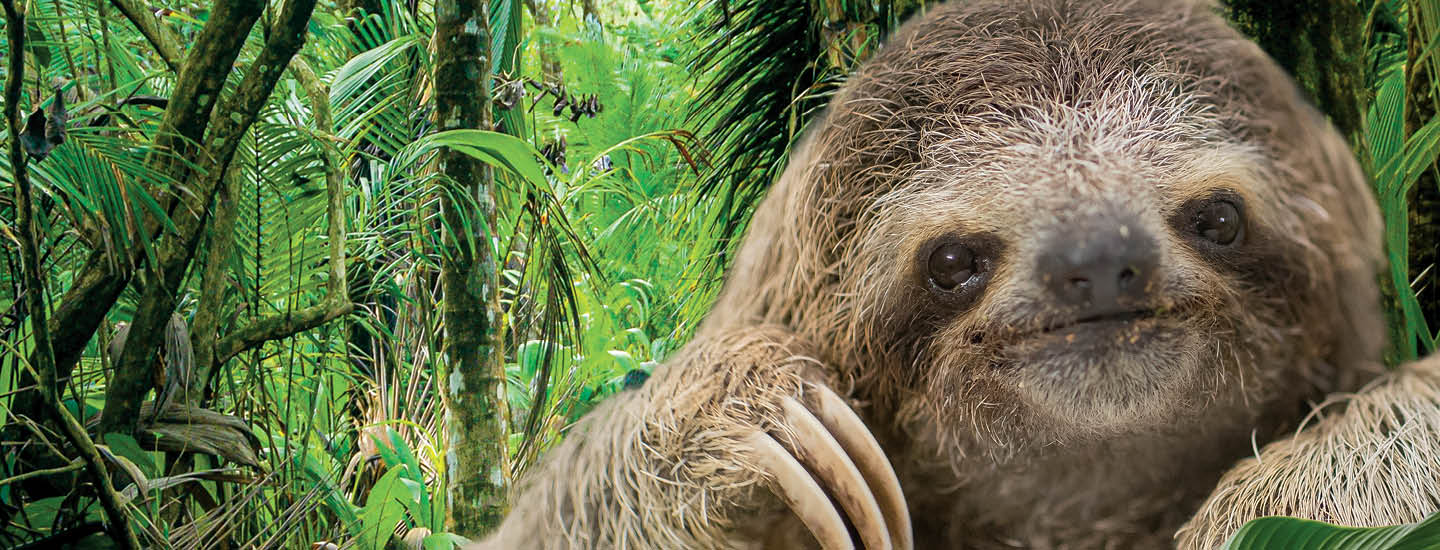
[(1072, 222), (1061, 223), (1102, 261), (1102, 286)]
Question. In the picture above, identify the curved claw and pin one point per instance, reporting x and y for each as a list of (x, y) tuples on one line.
[(800, 492), (860, 445), (823, 455)]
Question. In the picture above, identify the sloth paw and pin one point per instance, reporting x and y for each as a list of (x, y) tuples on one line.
[(828, 440)]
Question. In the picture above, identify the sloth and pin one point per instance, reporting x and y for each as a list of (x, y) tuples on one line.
[(1042, 272)]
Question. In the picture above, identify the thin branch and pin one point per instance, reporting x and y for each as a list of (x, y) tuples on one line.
[(35, 288), (280, 326), (158, 34), (337, 298), (72, 466)]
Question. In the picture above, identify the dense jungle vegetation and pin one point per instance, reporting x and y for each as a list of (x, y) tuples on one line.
[(300, 274)]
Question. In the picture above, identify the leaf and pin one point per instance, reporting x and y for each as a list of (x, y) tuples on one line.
[(43, 132), (1385, 125), (1289, 533), (127, 447), (33, 138), (41, 513), (443, 541), (627, 362), (37, 42), (384, 508), (55, 128), (493, 148)]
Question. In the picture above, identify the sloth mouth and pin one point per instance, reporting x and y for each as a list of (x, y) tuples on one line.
[(1099, 334), (1114, 317)]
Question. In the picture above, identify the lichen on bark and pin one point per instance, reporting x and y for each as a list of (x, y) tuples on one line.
[(472, 368)]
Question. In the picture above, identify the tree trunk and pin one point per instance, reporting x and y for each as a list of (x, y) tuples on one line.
[(236, 113), (1424, 196), (472, 378), (1319, 42)]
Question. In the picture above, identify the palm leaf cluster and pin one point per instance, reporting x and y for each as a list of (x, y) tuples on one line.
[(340, 419)]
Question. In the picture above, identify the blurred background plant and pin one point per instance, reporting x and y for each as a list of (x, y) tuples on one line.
[(297, 408)]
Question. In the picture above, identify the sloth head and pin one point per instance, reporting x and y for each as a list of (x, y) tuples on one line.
[(1067, 220)]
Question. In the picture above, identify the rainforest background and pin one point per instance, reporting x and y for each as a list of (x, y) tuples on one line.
[(334, 273)]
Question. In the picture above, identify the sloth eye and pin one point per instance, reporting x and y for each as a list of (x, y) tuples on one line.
[(950, 265), (1219, 222)]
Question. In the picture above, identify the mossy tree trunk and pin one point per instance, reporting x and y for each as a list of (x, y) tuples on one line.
[(1321, 44), (203, 73), (472, 377), (229, 20), (1424, 196)]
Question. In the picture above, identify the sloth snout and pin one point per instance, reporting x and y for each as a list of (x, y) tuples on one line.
[(1100, 269)]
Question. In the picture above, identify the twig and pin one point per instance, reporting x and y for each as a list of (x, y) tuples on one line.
[(72, 466), (35, 288)]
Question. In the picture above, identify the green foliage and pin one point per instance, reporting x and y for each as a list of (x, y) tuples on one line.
[(1276, 533), (1396, 162)]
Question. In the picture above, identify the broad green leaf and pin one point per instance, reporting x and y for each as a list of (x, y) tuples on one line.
[(494, 148), (443, 541), (384, 508), (41, 513), (127, 447), (1287, 533), (627, 363)]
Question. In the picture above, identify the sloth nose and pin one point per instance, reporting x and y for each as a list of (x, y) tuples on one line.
[(1101, 269)]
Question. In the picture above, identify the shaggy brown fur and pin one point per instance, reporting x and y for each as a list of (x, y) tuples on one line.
[(1377, 463), (1009, 126)]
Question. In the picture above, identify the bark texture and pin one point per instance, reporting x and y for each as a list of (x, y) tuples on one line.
[(127, 387), (472, 378), (1319, 42)]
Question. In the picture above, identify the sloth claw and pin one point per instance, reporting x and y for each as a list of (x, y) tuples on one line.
[(799, 491), (861, 446), (835, 446)]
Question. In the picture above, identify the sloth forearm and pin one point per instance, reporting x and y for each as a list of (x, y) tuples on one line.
[(661, 466), (1371, 463)]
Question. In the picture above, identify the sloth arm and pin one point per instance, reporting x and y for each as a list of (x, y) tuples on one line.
[(721, 441), (1375, 462)]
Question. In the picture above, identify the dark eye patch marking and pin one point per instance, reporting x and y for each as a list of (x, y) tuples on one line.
[(1219, 228), (1214, 223)]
